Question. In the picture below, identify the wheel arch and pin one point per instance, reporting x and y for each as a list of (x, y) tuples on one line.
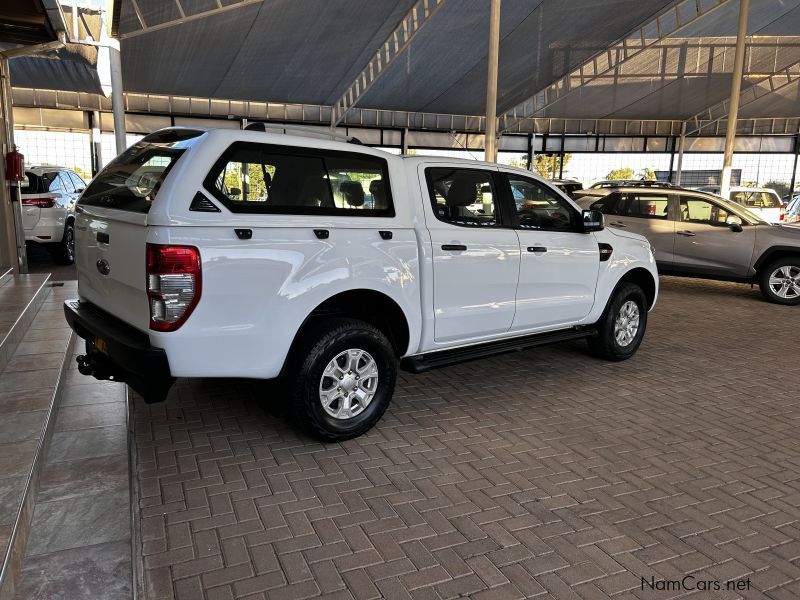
[(644, 279), (774, 253), (372, 306)]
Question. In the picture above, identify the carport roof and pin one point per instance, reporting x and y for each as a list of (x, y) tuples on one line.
[(312, 51)]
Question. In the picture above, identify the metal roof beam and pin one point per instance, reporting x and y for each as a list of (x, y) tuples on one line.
[(398, 40), (665, 24), (184, 18), (711, 117)]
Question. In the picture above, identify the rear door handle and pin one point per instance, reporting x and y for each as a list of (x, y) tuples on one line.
[(686, 233), (454, 247), (537, 249)]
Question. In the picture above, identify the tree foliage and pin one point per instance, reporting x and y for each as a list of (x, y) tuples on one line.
[(621, 173), (549, 165)]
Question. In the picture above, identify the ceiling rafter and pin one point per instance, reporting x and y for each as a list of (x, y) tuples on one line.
[(399, 39), (760, 88), (609, 61), (145, 28)]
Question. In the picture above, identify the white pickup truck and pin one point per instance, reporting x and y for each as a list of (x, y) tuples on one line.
[(326, 265)]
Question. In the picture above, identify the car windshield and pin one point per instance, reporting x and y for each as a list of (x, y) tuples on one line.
[(755, 199)]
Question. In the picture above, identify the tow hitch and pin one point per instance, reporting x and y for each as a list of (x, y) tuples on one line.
[(98, 365)]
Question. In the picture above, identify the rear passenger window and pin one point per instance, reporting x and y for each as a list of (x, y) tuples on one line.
[(286, 180), (646, 206), (607, 204), (463, 196)]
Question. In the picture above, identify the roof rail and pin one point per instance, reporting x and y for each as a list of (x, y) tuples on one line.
[(262, 126)]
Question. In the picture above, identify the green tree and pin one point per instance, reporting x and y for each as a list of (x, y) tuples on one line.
[(621, 173), (781, 187), (647, 174), (549, 165), (521, 162)]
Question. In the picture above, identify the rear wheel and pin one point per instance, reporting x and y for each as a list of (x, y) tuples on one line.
[(343, 379), (621, 328), (780, 281), (64, 251)]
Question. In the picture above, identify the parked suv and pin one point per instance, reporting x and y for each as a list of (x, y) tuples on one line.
[(698, 234), (48, 198), (220, 253)]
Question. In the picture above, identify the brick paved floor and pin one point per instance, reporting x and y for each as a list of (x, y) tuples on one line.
[(535, 473)]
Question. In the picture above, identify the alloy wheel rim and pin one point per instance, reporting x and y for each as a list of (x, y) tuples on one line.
[(348, 384), (70, 244), (626, 325), (785, 282)]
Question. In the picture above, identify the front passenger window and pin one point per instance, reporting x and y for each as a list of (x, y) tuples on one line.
[(696, 210), (539, 207)]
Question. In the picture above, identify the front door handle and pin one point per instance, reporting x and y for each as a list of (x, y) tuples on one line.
[(617, 224), (686, 233), (537, 249), (454, 247)]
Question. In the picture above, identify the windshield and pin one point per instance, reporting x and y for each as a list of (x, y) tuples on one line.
[(756, 199), (132, 180)]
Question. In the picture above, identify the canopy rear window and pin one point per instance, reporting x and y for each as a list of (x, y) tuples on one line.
[(132, 180)]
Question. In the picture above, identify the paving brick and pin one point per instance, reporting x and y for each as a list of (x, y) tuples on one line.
[(508, 477)]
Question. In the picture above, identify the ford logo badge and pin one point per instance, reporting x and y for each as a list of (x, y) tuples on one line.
[(103, 267)]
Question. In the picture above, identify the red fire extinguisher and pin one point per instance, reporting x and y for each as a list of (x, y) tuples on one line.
[(15, 166)]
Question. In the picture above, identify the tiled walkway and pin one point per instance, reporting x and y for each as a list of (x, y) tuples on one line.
[(538, 474), (68, 469)]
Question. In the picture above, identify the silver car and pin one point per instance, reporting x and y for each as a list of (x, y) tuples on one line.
[(697, 234)]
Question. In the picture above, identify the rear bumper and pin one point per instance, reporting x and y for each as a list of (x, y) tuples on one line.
[(127, 347)]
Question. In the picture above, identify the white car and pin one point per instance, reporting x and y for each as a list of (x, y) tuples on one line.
[(48, 196), (326, 265), (763, 202)]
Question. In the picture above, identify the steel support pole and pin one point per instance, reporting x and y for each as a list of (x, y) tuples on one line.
[(736, 88), (95, 138), (681, 146), (13, 228), (491, 82), (117, 99), (794, 167)]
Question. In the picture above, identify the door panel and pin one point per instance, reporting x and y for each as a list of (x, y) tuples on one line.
[(705, 244), (557, 278), (475, 261), (647, 214), (559, 266)]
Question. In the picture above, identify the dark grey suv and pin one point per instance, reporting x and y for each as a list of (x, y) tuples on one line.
[(698, 234)]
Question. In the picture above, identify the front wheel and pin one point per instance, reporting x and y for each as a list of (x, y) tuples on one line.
[(780, 281), (621, 328), (343, 379)]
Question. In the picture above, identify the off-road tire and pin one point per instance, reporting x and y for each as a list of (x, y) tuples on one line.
[(323, 341), (604, 343)]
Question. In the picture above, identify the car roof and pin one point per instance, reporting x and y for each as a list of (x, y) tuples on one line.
[(38, 170)]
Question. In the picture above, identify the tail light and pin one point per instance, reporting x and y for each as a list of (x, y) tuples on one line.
[(783, 213), (174, 284), (41, 201)]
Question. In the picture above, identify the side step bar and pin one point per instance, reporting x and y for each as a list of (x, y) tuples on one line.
[(419, 363)]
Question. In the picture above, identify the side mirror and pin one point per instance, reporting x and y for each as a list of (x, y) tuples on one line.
[(234, 191), (592, 221), (734, 222)]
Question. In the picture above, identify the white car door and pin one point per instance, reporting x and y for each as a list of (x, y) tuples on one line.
[(559, 265), (475, 259)]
